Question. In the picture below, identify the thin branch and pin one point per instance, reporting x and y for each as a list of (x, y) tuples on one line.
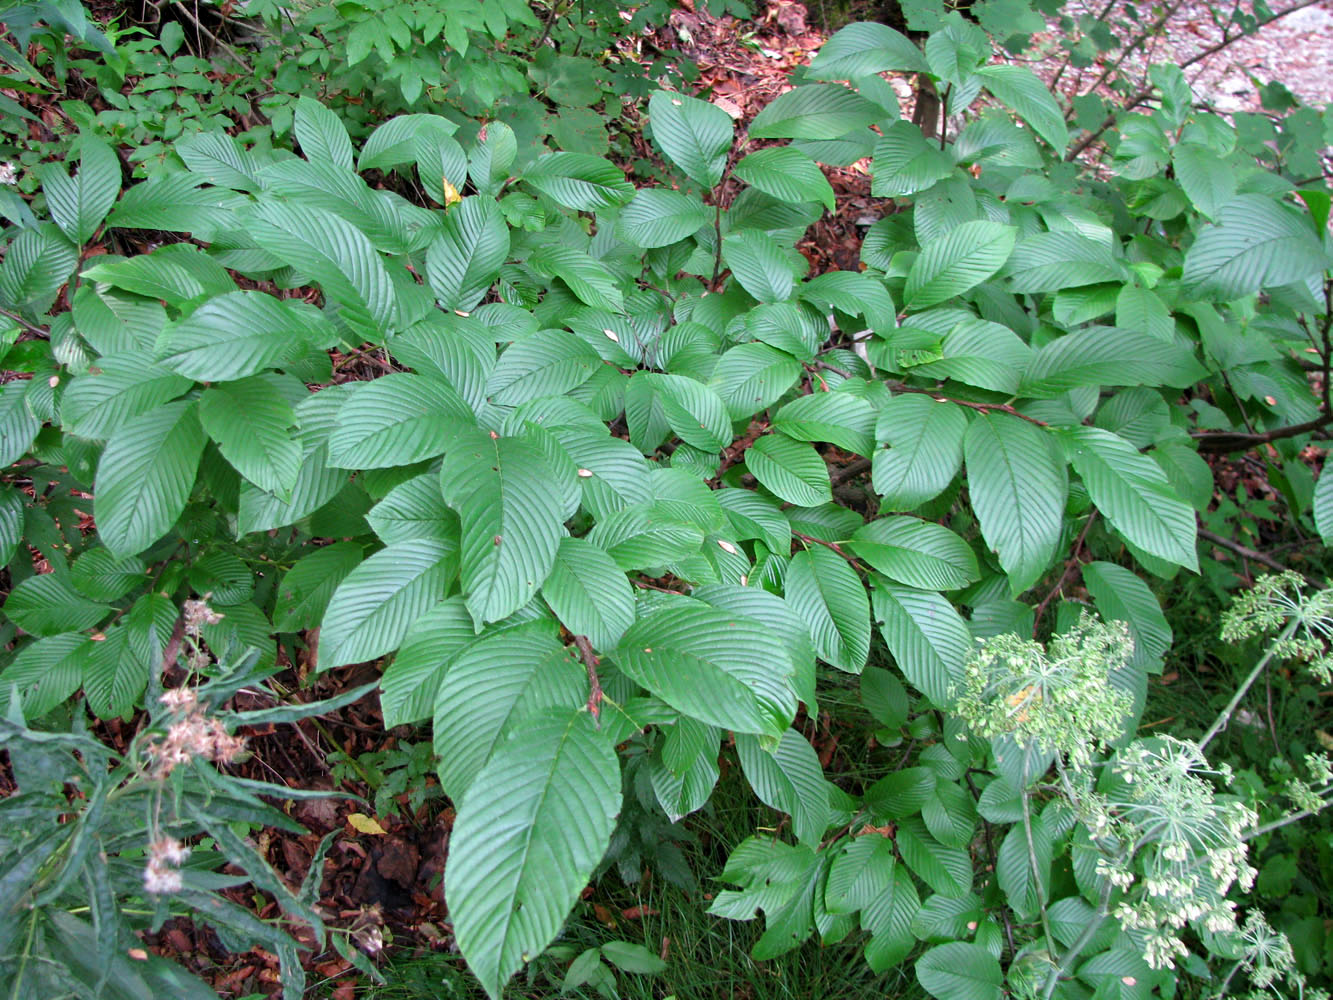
[(36, 331), (595, 686), (939, 397), (1221, 722), (849, 471), (834, 546), (1070, 563), (201, 27), (1245, 552), (1221, 442)]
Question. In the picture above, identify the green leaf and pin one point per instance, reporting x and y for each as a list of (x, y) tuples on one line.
[(413, 509), (1323, 507), (889, 919), (491, 689), (336, 255), (1020, 89), (1109, 355), (905, 162), (376, 604), (633, 958), (1258, 243), (751, 377), (321, 133), (1143, 311), (643, 538), (547, 363), (960, 259), (177, 203), (960, 970), (240, 334), (916, 553), (394, 144), (860, 875), (1018, 488), (250, 421), (587, 277), (220, 160), (840, 418), (789, 779), (397, 419), (37, 263), (947, 870), (815, 111), (758, 263), (12, 509), (1049, 262), (1208, 181), (589, 593), (520, 854), (579, 181), (694, 411), (306, 589), (787, 174), (864, 48), (1120, 595), (465, 258), (410, 683), (18, 424), (829, 596), (145, 476), (693, 134), (925, 439), (103, 577), (983, 354), (47, 671), (1133, 493), (508, 498), (79, 204), (48, 604), (792, 470), (928, 639), (658, 217), (724, 669)]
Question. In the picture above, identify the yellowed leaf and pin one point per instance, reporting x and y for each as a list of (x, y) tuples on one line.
[(451, 194), (362, 823)]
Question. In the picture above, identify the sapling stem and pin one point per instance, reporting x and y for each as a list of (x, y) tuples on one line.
[(1225, 717)]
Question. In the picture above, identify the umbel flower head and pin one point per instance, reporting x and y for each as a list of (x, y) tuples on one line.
[(1059, 698), (1189, 844), (1279, 600)]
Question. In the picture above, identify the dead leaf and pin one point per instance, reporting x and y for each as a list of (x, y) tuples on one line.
[(362, 823)]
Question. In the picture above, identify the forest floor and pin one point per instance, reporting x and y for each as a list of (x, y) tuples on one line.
[(383, 876)]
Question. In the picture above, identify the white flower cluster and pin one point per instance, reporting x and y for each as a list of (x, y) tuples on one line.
[(1059, 698), (1185, 845), (1275, 601), (162, 873)]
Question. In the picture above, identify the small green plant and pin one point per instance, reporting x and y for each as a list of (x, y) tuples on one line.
[(401, 777)]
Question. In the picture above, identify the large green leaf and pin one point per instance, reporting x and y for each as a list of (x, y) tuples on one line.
[(658, 217), (1021, 90), (758, 263), (929, 641), (905, 162), (1049, 262), (693, 410), (48, 604), (47, 671), (413, 509), (917, 553), (587, 277), (963, 257), (1207, 179), (306, 589), (79, 204), (37, 263), (751, 377), (724, 669), (695, 135), (863, 48), (465, 258), (334, 253), (1120, 595), (509, 499), (321, 133), (815, 111), (520, 854), (861, 874), (118, 387), (787, 174), (792, 470), (1109, 355), (825, 591), (250, 421), (925, 440), (376, 604), (395, 420), (1323, 507), (1258, 243), (644, 538), (579, 181), (589, 593), (981, 353), (547, 363), (1134, 494), (145, 476), (240, 334), (410, 683), (491, 689), (1018, 488), (840, 418), (960, 970), (790, 779)]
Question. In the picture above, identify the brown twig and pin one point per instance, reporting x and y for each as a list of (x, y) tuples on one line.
[(1245, 552), (36, 331), (1221, 442), (595, 686), (849, 471), (835, 547), (1070, 563), (939, 397)]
